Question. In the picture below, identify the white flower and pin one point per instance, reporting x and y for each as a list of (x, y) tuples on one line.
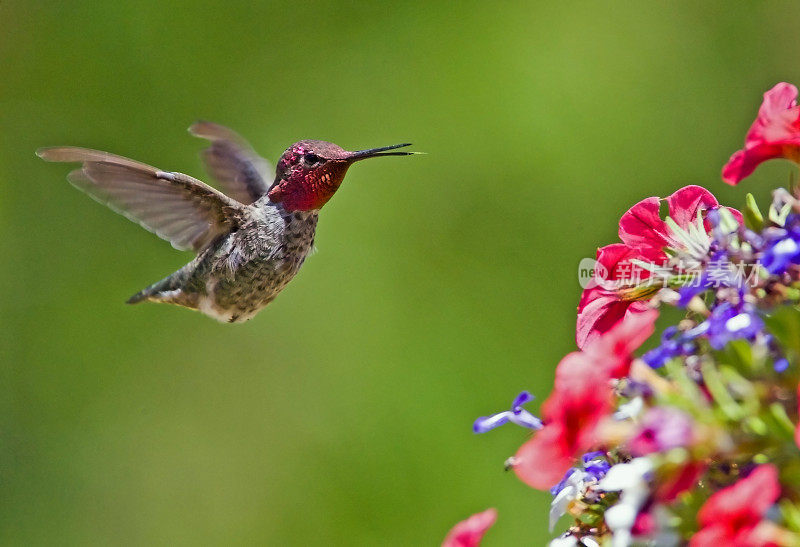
[(572, 541), (630, 410), (561, 501), (567, 541), (630, 479)]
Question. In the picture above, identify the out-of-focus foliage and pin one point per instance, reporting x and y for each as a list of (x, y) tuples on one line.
[(342, 413)]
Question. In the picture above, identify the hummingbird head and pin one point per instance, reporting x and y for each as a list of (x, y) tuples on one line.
[(309, 172)]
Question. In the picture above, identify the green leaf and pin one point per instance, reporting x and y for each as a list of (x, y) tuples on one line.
[(719, 391), (791, 515), (740, 355), (779, 217), (753, 218), (782, 419), (689, 397), (784, 324)]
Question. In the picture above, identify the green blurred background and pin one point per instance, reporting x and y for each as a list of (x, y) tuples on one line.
[(443, 285)]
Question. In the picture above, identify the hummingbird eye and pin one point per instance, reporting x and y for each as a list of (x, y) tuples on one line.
[(310, 158)]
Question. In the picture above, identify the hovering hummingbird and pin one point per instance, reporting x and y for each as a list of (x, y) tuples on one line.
[(250, 242)]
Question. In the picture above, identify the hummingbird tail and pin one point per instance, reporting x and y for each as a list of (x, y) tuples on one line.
[(140, 296), (147, 295), (167, 290)]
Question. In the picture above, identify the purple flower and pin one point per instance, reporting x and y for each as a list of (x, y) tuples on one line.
[(662, 428), (595, 464), (718, 272), (782, 249), (595, 468), (564, 481), (516, 415), (673, 344), (728, 323), (689, 291)]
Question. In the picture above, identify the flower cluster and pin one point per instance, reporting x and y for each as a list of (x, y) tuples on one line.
[(695, 440)]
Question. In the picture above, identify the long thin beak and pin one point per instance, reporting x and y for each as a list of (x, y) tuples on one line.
[(375, 152)]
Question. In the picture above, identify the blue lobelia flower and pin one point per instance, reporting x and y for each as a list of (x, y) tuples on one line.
[(728, 323), (782, 249), (576, 479), (516, 415), (718, 272), (673, 344)]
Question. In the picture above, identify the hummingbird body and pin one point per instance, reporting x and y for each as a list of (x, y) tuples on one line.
[(234, 279), (249, 243)]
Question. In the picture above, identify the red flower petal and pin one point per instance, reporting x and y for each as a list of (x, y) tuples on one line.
[(712, 536), (775, 115), (686, 202), (644, 235), (613, 351), (641, 228), (601, 315), (736, 510), (774, 134), (601, 307), (469, 532), (685, 479), (743, 163), (644, 525), (797, 435), (542, 461), (582, 396)]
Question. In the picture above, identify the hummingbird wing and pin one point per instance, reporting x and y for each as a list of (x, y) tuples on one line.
[(243, 174), (183, 210)]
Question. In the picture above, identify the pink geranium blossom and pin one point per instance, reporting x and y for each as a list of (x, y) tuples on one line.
[(620, 287), (580, 399), (603, 304), (731, 515), (614, 351), (643, 229), (582, 396), (683, 479), (660, 429), (774, 134), (469, 532)]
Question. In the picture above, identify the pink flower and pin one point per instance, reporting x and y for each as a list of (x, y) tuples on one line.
[(675, 484), (582, 396), (469, 533), (644, 525), (731, 515), (614, 350), (662, 428), (643, 229), (621, 288), (774, 134), (604, 304), (542, 461)]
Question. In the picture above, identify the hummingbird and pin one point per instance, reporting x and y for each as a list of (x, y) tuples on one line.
[(249, 241)]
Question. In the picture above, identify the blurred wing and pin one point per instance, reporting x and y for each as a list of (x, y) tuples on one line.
[(243, 174), (183, 210)]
